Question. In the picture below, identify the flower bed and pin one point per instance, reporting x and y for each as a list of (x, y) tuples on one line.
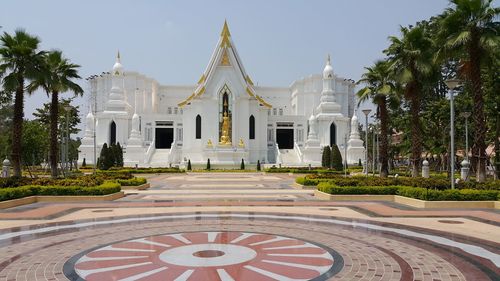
[(107, 187)]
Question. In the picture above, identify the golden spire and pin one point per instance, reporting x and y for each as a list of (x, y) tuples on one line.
[(225, 34), (118, 56)]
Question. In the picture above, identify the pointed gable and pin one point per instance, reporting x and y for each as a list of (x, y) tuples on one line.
[(221, 57)]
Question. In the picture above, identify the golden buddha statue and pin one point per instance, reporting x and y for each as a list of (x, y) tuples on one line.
[(209, 143), (241, 144), (225, 139)]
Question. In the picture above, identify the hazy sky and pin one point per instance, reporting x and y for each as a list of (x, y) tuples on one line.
[(171, 41)]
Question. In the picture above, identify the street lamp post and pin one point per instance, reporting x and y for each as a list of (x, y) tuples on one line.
[(366, 112), (66, 150), (466, 115), (345, 156), (464, 172), (452, 85)]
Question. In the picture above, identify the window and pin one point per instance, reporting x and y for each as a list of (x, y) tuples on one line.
[(281, 111), (252, 127), (274, 111), (198, 127)]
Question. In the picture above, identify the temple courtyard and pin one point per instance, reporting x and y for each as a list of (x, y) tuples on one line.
[(244, 226)]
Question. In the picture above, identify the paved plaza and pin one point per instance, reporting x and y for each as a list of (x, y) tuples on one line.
[(244, 226)]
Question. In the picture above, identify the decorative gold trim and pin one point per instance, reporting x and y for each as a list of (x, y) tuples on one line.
[(261, 101), (249, 81), (225, 59), (225, 34), (202, 79)]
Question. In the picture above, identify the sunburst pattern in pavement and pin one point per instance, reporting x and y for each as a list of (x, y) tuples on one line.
[(207, 256)]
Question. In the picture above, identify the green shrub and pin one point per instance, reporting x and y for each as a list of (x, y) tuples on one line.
[(258, 165), (132, 182), (189, 168), (107, 187), (84, 163), (242, 165), (208, 164)]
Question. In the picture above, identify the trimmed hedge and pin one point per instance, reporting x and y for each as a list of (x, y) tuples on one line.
[(304, 170), (148, 170), (432, 183), (413, 192), (108, 187), (88, 180), (358, 190), (133, 182)]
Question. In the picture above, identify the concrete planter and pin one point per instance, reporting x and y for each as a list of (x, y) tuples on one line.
[(137, 187)]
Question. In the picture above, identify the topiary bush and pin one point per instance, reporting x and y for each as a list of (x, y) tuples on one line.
[(258, 165), (242, 165), (336, 159), (189, 168), (326, 158)]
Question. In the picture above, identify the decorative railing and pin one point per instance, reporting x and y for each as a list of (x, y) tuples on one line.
[(299, 153), (151, 150), (278, 154)]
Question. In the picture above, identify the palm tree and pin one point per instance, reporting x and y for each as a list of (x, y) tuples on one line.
[(411, 60), (59, 80), (469, 31), (20, 63), (379, 86)]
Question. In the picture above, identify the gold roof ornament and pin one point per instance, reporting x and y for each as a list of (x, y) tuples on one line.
[(225, 59), (225, 34)]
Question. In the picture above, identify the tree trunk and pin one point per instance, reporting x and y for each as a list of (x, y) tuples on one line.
[(17, 127), (416, 136), (54, 114), (384, 120), (479, 147)]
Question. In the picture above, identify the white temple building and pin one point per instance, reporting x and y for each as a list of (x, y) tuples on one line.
[(224, 117)]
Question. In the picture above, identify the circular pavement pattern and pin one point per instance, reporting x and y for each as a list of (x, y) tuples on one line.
[(226, 255)]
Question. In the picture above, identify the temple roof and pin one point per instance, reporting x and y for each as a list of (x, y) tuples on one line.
[(225, 48)]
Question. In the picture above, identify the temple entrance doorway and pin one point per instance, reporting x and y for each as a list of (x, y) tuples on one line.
[(164, 138), (284, 138)]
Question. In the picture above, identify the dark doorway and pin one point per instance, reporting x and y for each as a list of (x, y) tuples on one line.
[(284, 138), (252, 127), (164, 137), (112, 133), (198, 127), (333, 134)]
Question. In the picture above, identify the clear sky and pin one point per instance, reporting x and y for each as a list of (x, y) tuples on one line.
[(172, 41)]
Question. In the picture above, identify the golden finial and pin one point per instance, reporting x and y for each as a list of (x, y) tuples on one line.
[(225, 30), (118, 56)]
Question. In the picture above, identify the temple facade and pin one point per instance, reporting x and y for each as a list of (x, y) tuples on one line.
[(224, 117)]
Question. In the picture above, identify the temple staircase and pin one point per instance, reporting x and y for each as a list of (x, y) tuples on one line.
[(289, 157), (160, 158)]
